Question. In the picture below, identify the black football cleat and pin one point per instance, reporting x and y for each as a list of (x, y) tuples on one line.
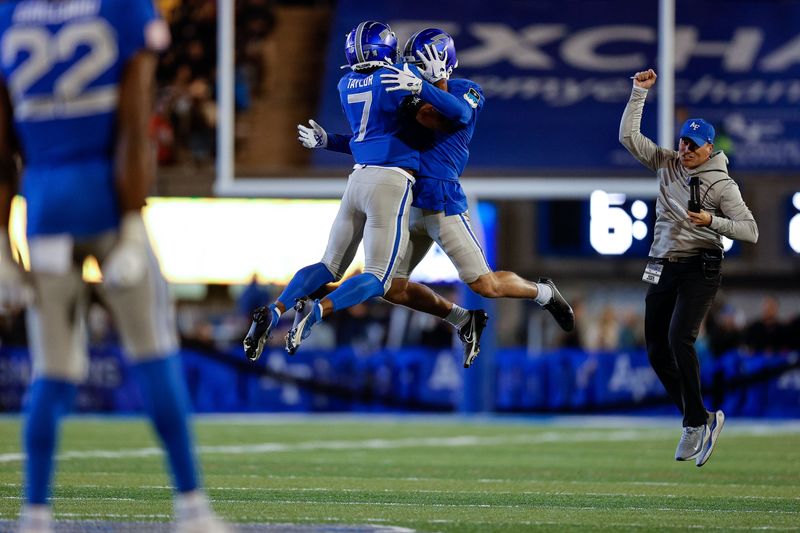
[(559, 308), (259, 332), (470, 335)]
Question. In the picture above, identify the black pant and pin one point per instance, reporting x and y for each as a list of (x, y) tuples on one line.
[(675, 309)]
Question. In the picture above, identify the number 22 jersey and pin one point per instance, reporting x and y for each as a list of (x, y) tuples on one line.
[(63, 63)]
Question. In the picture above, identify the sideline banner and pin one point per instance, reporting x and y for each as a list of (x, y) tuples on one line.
[(556, 76), (424, 380)]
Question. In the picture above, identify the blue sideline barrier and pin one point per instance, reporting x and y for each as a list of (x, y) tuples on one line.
[(421, 379)]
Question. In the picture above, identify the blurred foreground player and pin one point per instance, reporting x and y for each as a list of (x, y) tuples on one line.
[(77, 83), (698, 203)]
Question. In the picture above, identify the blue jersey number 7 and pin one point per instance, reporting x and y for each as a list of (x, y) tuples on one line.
[(358, 98)]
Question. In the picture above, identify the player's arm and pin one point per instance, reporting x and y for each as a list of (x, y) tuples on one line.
[(316, 137), (135, 160), (428, 116), (9, 157), (646, 151), (456, 110), (126, 263), (15, 293)]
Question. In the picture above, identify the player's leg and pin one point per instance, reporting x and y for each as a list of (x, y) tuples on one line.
[(409, 294), (422, 298), (460, 243), (384, 196), (145, 317), (455, 237), (57, 340), (345, 236)]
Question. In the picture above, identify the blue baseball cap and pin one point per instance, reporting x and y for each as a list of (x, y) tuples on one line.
[(698, 130)]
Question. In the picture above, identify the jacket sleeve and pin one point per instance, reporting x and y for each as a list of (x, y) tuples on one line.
[(646, 151), (738, 222)]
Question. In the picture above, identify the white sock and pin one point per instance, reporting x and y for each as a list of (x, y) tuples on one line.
[(545, 294), (457, 317)]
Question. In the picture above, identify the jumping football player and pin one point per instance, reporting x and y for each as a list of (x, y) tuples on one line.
[(439, 210), (377, 198)]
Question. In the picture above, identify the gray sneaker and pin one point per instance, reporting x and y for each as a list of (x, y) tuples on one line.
[(691, 443), (712, 429)]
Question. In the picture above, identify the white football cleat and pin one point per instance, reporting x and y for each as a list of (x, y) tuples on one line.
[(36, 519), (193, 514)]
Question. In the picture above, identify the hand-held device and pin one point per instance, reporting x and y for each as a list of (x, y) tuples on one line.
[(694, 195)]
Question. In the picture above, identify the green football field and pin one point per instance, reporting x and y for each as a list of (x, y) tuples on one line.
[(447, 474)]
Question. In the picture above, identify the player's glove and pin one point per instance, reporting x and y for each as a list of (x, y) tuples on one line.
[(313, 137), (401, 80), (15, 292), (435, 66), (126, 264)]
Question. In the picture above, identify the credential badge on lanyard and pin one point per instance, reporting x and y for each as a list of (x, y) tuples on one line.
[(652, 273)]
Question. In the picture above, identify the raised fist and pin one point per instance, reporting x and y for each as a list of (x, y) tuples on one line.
[(645, 79)]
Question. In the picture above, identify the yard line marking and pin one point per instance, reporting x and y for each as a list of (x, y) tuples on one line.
[(422, 491), (431, 479), (248, 516), (622, 526), (111, 515), (369, 444)]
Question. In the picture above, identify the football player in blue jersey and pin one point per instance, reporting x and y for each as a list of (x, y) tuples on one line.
[(377, 198), (439, 209), (76, 89)]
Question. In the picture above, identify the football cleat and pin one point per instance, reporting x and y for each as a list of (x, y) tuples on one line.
[(559, 308), (302, 327), (36, 519), (264, 319), (370, 45), (470, 335)]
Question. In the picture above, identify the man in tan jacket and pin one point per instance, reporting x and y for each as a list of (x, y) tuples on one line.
[(698, 203)]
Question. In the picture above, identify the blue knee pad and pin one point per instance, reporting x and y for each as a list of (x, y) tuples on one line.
[(49, 400), (166, 401), (305, 281), (356, 290)]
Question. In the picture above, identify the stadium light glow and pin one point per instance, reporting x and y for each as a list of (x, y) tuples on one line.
[(229, 240)]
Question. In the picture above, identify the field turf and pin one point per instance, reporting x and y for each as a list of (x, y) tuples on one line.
[(447, 474)]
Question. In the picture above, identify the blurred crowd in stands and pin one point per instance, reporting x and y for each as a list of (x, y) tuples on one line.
[(220, 320), (601, 328), (185, 120)]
